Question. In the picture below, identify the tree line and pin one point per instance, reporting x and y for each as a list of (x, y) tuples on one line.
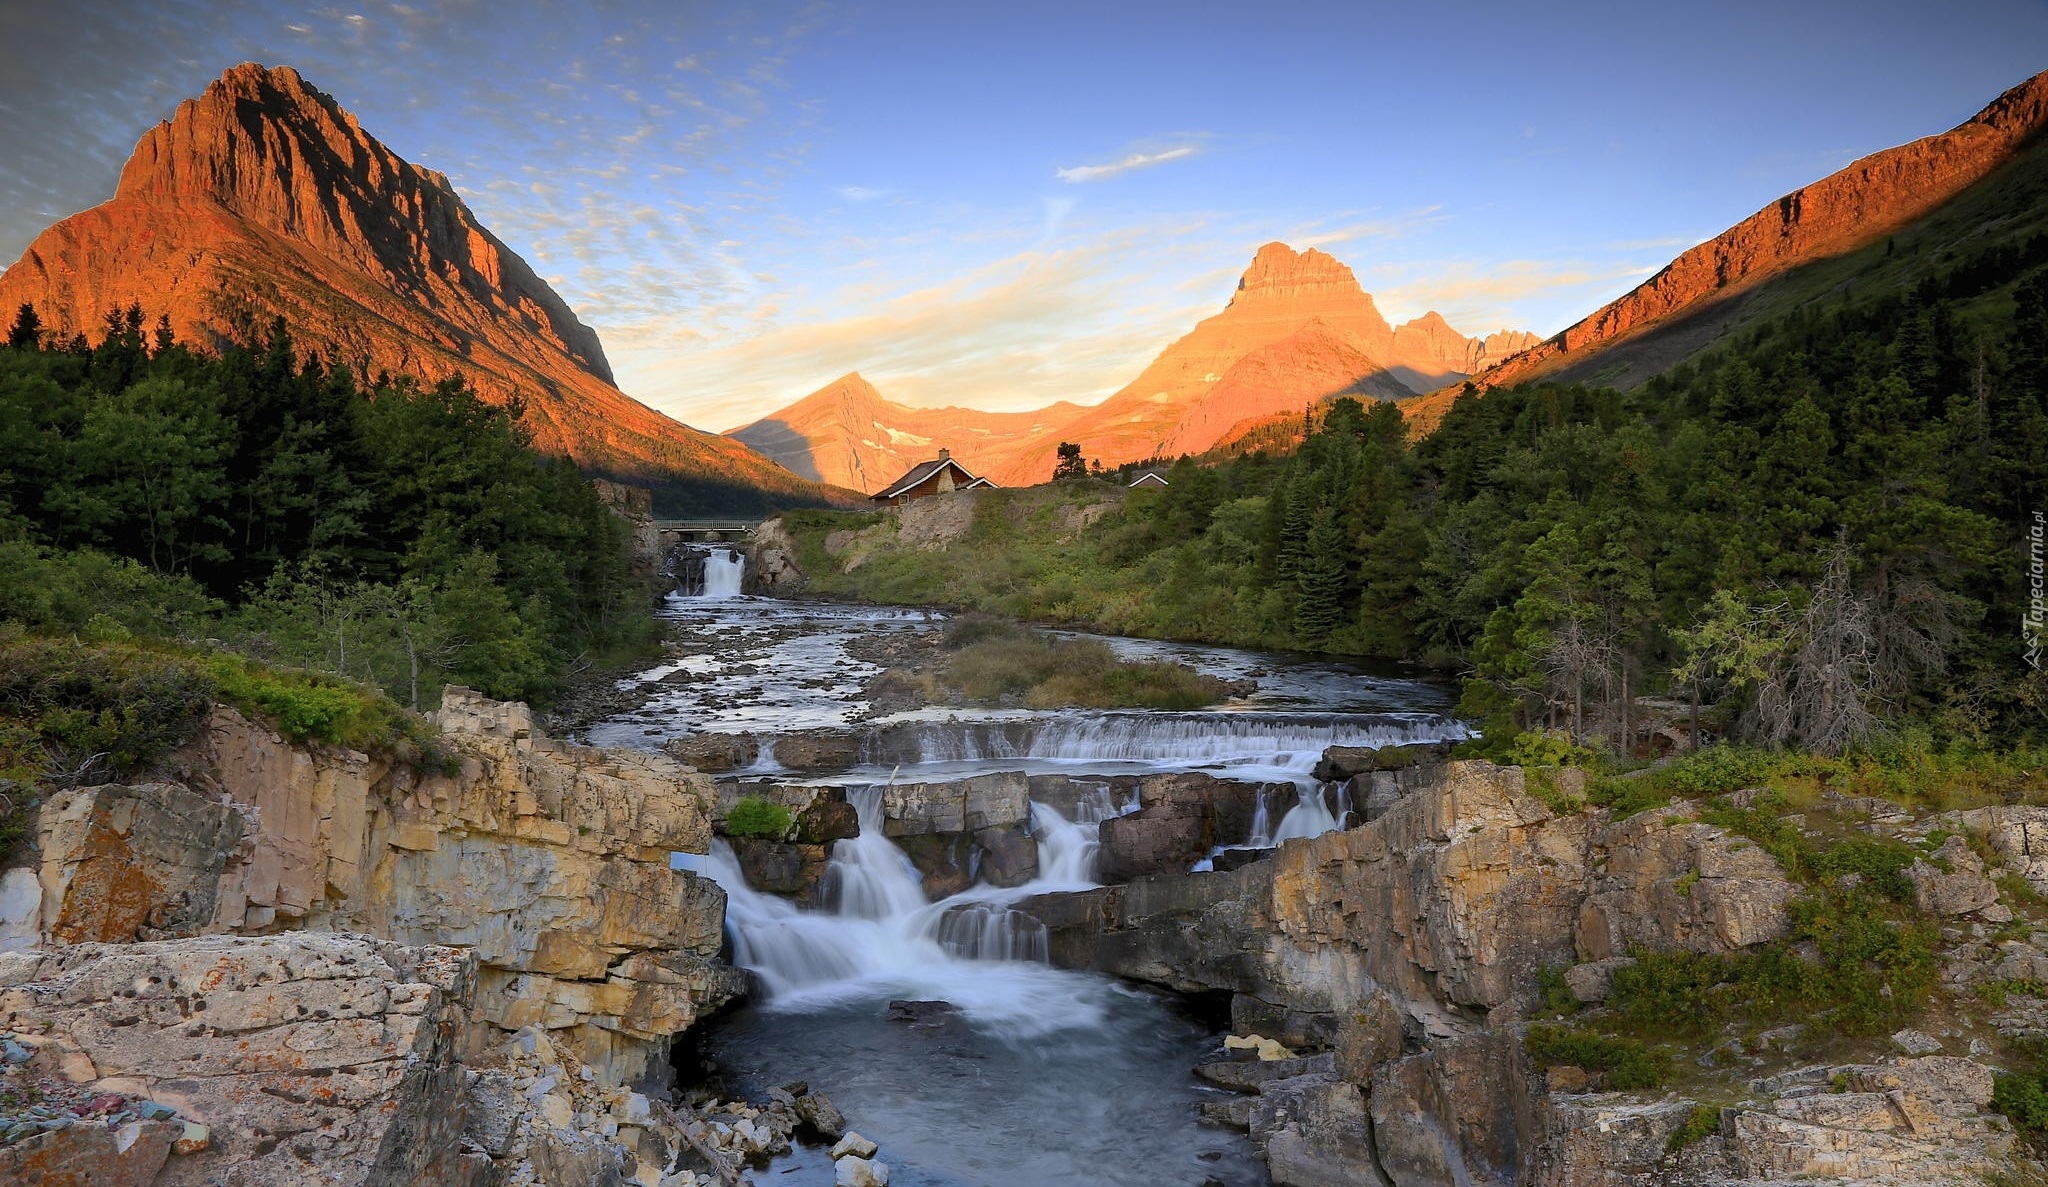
[(1812, 535), (401, 534)]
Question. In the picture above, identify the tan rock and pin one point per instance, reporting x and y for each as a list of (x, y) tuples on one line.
[(278, 1049), (124, 863)]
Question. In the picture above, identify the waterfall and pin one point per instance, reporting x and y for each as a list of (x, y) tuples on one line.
[(723, 568), (879, 935), (1309, 817), (1269, 741)]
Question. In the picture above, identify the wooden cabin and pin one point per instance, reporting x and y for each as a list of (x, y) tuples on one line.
[(939, 476), (1149, 478)]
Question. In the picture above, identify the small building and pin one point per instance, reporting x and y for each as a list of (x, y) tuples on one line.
[(1149, 478), (939, 476)]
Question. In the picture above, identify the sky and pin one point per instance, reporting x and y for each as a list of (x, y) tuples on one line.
[(1000, 205)]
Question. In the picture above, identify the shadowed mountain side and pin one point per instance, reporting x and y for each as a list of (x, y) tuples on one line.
[(263, 198), (1704, 293), (849, 434)]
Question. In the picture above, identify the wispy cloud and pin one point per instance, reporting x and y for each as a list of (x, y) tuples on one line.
[(1516, 294), (1136, 160)]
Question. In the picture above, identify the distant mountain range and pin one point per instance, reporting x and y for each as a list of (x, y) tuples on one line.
[(263, 197), (1298, 330)]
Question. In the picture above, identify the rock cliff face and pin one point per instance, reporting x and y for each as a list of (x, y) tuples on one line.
[(207, 947), (1298, 329), (549, 861), (263, 197), (1409, 950), (1845, 210)]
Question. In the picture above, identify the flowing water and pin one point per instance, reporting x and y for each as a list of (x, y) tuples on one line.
[(1035, 1075)]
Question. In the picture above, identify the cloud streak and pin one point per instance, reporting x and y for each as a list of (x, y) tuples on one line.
[(1136, 160)]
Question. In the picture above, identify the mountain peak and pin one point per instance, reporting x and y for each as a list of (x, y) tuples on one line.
[(263, 198), (1278, 267)]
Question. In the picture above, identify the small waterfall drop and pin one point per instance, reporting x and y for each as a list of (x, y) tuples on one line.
[(880, 937), (1309, 817), (723, 568)]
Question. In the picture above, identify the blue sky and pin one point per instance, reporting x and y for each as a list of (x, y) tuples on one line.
[(1003, 204)]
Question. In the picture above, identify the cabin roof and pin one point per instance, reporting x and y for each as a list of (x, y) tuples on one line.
[(922, 471)]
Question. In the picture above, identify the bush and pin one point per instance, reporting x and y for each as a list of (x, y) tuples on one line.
[(2023, 1098), (1628, 1065), (756, 817), (1702, 1123)]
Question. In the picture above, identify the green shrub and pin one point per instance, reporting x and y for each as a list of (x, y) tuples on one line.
[(1628, 1065), (756, 817), (2023, 1098), (1702, 1123), (308, 706)]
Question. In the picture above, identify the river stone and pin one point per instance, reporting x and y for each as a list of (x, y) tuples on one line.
[(1009, 856), (817, 1111), (781, 867), (817, 750), (1246, 1075), (1316, 1133), (714, 752), (860, 1172), (853, 1145), (922, 1013)]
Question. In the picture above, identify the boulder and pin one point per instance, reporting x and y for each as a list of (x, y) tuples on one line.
[(818, 750), (1316, 1132), (1954, 883), (714, 752), (126, 863), (297, 1049), (89, 1154), (1344, 762), (1008, 855), (781, 867), (986, 801), (1669, 882)]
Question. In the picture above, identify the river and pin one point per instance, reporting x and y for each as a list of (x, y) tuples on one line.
[(1037, 1075)]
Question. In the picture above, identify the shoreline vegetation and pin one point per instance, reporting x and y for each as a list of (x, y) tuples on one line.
[(991, 662)]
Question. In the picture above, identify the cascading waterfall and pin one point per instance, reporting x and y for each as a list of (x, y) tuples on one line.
[(879, 935), (723, 568)]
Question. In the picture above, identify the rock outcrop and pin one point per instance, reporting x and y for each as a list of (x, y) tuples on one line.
[(549, 861), (310, 1058), (1409, 950), (263, 197)]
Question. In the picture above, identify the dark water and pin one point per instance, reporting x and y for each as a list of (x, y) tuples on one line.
[(955, 1106)]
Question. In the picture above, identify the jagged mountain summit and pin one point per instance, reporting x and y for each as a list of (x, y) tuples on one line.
[(1298, 330), (1748, 271), (846, 433), (263, 197)]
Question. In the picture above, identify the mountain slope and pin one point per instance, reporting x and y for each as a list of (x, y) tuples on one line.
[(1298, 330), (847, 434), (1736, 278), (264, 198)]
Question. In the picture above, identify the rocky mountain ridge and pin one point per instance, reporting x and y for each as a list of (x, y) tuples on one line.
[(1646, 330), (263, 198), (1298, 329)]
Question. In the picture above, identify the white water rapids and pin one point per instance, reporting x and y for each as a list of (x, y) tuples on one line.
[(882, 939), (1043, 1075)]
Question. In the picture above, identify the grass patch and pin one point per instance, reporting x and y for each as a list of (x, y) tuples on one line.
[(1624, 1064), (756, 817), (993, 661), (74, 713)]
